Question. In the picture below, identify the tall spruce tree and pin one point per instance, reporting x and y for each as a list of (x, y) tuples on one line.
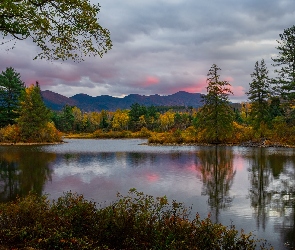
[(216, 116), (11, 87), (285, 59), (34, 115), (259, 94)]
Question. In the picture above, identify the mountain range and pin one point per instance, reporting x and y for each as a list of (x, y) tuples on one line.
[(88, 103)]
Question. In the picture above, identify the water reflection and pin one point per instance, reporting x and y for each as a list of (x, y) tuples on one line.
[(272, 191), (234, 184), (23, 172), (215, 165)]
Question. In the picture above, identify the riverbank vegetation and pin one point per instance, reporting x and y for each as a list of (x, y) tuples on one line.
[(24, 117), (137, 221), (267, 119)]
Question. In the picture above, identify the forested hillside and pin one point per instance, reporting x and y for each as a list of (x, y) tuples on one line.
[(85, 102)]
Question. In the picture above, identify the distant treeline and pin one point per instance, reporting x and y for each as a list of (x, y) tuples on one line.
[(161, 118), (268, 116)]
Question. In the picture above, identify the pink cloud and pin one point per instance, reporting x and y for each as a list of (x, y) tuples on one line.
[(150, 80), (198, 87), (229, 79), (238, 90)]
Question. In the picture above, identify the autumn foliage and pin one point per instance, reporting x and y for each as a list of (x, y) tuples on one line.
[(136, 221), (33, 124)]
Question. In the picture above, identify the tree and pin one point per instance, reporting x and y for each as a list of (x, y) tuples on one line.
[(65, 121), (167, 120), (34, 115), (120, 120), (11, 87), (104, 120), (136, 111), (61, 29), (286, 60), (259, 94), (216, 116)]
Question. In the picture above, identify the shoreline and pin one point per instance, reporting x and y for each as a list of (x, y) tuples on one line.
[(255, 144), (261, 144), (29, 143)]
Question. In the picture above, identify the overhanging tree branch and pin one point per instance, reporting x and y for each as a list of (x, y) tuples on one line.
[(61, 29)]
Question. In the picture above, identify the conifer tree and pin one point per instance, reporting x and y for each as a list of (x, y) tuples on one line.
[(216, 116), (11, 87), (286, 60), (259, 94), (34, 115)]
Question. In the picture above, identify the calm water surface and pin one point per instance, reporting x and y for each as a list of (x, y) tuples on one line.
[(252, 188)]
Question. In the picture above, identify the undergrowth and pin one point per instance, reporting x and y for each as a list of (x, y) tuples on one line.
[(136, 221)]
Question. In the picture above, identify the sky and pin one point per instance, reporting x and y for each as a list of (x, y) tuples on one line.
[(165, 46)]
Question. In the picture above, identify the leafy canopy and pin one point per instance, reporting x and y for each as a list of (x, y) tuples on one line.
[(61, 29)]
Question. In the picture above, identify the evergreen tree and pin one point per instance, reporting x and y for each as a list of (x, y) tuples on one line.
[(104, 121), (286, 60), (34, 115), (259, 94), (66, 119), (136, 111), (216, 116), (11, 87), (275, 109)]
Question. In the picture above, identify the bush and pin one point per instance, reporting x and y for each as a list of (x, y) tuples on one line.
[(10, 133), (136, 221), (112, 134), (13, 134), (143, 133)]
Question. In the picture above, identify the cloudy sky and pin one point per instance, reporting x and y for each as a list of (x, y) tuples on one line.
[(165, 46)]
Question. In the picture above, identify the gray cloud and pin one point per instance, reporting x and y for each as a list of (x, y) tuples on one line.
[(165, 46)]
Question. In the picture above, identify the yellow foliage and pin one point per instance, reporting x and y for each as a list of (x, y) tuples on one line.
[(167, 120), (10, 133), (120, 120), (50, 134), (144, 133), (242, 133)]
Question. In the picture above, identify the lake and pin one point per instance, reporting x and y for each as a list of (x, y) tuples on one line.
[(252, 188)]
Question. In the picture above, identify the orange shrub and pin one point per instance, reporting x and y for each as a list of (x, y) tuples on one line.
[(242, 133), (50, 134), (10, 133)]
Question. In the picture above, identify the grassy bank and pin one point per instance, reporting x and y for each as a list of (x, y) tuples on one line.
[(191, 136), (136, 221)]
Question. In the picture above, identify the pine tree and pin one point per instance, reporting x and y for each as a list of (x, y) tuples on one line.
[(34, 115), (11, 87), (286, 60), (259, 94), (216, 116)]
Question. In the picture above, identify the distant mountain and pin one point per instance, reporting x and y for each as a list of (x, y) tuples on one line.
[(105, 102)]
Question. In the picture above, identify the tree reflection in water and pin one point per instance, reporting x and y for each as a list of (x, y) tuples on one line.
[(216, 170), (23, 172), (272, 192)]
